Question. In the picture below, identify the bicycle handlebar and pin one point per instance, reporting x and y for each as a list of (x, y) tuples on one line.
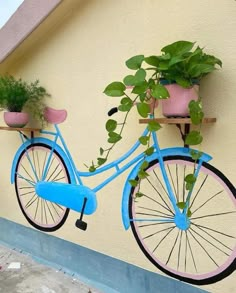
[(112, 111)]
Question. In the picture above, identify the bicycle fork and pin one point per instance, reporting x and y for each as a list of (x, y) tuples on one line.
[(180, 218)]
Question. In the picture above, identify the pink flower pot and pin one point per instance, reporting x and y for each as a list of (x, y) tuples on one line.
[(16, 119), (177, 104)]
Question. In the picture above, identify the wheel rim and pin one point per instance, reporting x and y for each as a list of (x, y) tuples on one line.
[(42, 214), (203, 251)]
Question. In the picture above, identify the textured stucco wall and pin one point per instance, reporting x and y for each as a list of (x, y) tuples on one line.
[(81, 48)]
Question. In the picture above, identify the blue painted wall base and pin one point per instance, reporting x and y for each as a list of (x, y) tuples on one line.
[(108, 274)]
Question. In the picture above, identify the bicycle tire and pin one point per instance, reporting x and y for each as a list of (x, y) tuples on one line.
[(216, 229), (52, 216)]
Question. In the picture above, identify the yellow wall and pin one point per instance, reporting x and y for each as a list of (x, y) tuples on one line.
[(81, 48)]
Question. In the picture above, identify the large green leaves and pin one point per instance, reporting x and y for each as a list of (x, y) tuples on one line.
[(115, 89), (178, 48), (193, 138), (111, 125), (125, 104), (153, 60), (138, 78), (135, 62), (153, 125), (199, 64), (143, 109), (159, 91), (196, 113), (114, 137), (212, 60), (197, 70), (140, 90), (185, 83), (158, 60), (183, 63), (129, 80)]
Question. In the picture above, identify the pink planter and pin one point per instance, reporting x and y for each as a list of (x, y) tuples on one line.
[(16, 119), (177, 104)]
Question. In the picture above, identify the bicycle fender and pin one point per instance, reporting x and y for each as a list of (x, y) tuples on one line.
[(49, 143), (176, 151), (182, 151)]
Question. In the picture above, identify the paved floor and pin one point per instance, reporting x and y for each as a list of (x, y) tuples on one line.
[(19, 273)]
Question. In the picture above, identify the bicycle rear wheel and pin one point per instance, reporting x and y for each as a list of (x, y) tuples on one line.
[(205, 252), (40, 213)]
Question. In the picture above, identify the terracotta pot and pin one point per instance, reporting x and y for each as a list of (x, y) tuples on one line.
[(177, 104), (16, 119)]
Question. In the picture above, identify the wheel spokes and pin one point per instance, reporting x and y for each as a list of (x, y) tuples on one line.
[(31, 168), (208, 245)]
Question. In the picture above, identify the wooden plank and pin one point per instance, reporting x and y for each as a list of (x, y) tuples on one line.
[(23, 129), (176, 120)]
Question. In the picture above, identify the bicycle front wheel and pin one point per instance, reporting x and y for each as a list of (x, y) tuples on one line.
[(203, 253), (40, 213)]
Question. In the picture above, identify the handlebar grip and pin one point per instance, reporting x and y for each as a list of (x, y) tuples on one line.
[(112, 111)]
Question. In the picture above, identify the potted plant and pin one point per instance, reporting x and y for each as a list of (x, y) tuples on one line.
[(173, 74), (180, 68), (17, 95)]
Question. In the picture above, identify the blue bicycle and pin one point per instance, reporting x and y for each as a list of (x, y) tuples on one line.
[(198, 247)]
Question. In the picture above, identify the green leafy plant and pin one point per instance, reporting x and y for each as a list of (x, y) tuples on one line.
[(16, 95), (181, 63)]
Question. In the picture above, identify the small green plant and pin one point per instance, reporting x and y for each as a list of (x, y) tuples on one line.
[(179, 62), (16, 95)]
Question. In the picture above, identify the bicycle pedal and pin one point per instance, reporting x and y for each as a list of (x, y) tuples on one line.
[(81, 225)]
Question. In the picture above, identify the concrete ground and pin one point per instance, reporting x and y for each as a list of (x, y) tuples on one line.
[(19, 273)]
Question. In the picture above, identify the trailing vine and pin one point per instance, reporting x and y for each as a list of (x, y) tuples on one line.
[(179, 62)]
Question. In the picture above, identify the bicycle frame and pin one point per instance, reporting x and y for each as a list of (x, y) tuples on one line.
[(162, 217), (137, 161)]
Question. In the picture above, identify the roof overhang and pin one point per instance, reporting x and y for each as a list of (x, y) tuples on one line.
[(24, 21)]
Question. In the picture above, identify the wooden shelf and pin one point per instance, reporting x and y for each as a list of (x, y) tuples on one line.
[(183, 124), (176, 120), (22, 129)]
